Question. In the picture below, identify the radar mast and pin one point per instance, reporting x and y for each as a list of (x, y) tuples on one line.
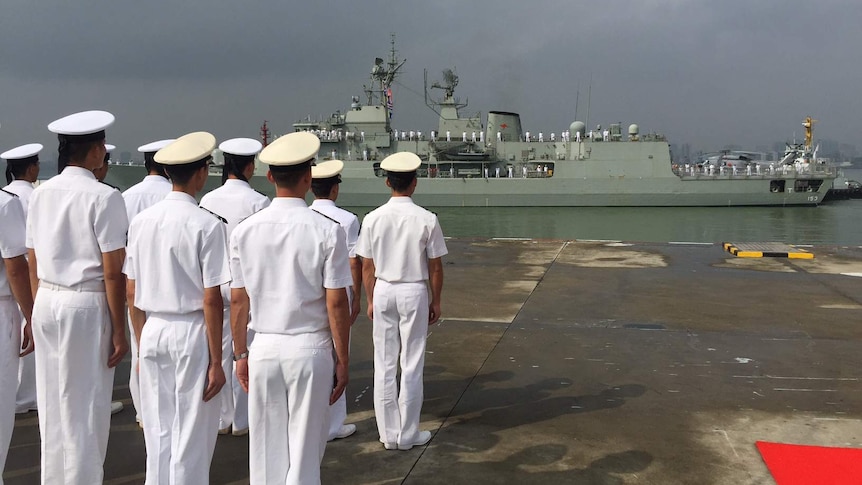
[(809, 131), (382, 77)]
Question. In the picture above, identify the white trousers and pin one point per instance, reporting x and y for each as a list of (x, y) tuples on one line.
[(10, 340), (225, 396), (72, 331), (338, 411), (400, 330), (290, 380), (26, 398), (134, 377), (180, 429)]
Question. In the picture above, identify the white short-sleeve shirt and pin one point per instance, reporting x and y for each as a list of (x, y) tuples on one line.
[(401, 237), (11, 235), (176, 250), (23, 189), (72, 220), (348, 221), (286, 256), (142, 195), (235, 200)]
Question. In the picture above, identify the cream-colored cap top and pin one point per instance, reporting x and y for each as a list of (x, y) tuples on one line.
[(187, 149), (401, 162), (327, 169), (83, 123), (23, 151), (291, 149)]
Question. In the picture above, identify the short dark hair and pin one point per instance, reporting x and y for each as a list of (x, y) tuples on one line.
[(74, 149), (289, 176), (152, 166), (400, 181), (182, 174), (15, 169), (235, 165), (323, 187)]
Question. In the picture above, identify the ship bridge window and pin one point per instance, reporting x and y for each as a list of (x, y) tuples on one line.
[(776, 186)]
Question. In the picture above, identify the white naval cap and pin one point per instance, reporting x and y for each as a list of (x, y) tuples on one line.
[(155, 146), (23, 151), (83, 123), (291, 149), (190, 148), (241, 146), (401, 162), (109, 148), (327, 169)]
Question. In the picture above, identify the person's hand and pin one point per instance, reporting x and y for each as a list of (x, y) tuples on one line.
[(433, 313), (27, 345), (121, 346), (242, 373), (370, 310), (340, 382), (215, 381)]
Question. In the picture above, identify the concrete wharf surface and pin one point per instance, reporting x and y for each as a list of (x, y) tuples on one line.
[(592, 362)]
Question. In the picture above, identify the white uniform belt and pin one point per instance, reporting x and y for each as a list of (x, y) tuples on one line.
[(92, 286)]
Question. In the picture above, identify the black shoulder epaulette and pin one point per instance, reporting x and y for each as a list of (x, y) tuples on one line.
[(261, 193), (109, 185), (326, 216), (10, 193), (216, 215)]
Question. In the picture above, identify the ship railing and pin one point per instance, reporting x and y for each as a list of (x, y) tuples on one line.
[(691, 172)]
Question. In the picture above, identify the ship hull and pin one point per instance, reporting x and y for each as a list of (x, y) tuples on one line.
[(573, 183)]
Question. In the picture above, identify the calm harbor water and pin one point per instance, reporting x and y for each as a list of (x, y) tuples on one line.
[(833, 223)]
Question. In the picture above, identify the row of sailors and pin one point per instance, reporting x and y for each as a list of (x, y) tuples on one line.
[(479, 137), (539, 171), (242, 298), (472, 137), (750, 169), (329, 135)]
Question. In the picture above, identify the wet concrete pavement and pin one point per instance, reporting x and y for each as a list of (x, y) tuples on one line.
[(592, 362)]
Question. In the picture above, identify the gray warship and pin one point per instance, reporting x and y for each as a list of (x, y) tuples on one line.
[(468, 161)]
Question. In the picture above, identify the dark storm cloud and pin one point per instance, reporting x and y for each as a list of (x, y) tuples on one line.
[(707, 73)]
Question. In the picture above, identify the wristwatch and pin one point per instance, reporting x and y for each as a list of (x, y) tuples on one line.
[(243, 355)]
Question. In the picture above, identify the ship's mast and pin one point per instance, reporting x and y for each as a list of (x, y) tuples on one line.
[(809, 131), (264, 134), (382, 78)]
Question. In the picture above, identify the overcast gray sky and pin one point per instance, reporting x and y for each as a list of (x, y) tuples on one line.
[(708, 73)]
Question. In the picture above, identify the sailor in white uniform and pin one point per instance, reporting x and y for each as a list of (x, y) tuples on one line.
[(177, 260), (101, 171), (14, 293), (153, 188), (325, 184), (401, 245), (289, 265), (22, 170), (234, 200), (76, 239)]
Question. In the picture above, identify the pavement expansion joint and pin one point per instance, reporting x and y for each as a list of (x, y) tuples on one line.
[(766, 250)]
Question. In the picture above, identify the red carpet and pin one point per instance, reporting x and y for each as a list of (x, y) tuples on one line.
[(806, 465)]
